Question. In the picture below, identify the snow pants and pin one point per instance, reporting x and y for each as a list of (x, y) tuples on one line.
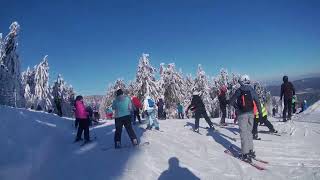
[(161, 113), (201, 113), (83, 126), (136, 114), (265, 121), (224, 113), (151, 117), (287, 108), (180, 114), (126, 122), (245, 122)]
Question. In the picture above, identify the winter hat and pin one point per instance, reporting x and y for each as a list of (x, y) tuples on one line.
[(245, 79), (78, 98), (119, 92), (285, 79)]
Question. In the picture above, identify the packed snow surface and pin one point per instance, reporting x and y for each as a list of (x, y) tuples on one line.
[(38, 146)]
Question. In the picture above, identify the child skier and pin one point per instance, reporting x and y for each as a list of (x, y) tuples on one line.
[(199, 110), (122, 106), (82, 118), (180, 111), (244, 98), (263, 120), (150, 111), (136, 109)]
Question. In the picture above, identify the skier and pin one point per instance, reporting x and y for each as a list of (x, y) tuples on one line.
[(223, 104), (109, 113), (274, 111), (263, 120), (160, 105), (57, 101), (294, 99), (122, 106), (136, 109), (303, 106), (243, 100), (82, 118), (150, 111), (200, 111), (90, 114), (287, 91), (180, 111)]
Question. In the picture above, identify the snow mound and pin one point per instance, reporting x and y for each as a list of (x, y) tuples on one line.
[(314, 108), (37, 146)]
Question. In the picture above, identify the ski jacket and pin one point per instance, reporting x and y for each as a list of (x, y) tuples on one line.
[(287, 90), (197, 104), (237, 94), (136, 102), (80, 111), (160, 103), (180, 108), (146, 104), (122, 106), (263, 109)]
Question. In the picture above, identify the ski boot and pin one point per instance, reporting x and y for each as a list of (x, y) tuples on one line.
[(135, 142), (196, 130), (255, 137), (273, 131), (149, 127), (252, 154), (212, 127), (246, 158), (157, 128), (78, 139), (117, 145), (223, 124)]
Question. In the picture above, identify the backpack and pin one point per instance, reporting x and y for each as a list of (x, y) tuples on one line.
[(151, 103), (245, 101)]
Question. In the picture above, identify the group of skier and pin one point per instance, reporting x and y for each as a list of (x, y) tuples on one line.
[(249, 112)]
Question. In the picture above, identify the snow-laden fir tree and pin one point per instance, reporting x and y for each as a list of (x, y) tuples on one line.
[(145, 81), (38, 81), (11, 92), (63, 97), (188, 89), (201, 85), (111, 94), (172, 85)]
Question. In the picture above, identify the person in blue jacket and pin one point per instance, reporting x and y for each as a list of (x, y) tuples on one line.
[(180, 111)]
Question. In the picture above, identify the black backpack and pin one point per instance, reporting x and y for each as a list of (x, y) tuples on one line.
[(245, 101)]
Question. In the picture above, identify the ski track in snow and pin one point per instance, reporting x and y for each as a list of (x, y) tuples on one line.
[(39, 146)]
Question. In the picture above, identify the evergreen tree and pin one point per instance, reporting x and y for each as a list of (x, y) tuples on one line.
[(63, 96), (11, 92), (146, 83), (202, 86), (172, 85)]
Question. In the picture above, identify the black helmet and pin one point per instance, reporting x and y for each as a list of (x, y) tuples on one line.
[(285, 79), (119, 92)]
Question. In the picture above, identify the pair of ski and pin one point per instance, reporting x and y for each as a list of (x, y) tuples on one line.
[(235, 153), (127, 146)]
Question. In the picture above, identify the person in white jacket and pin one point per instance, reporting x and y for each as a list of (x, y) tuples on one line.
[(150, 109)]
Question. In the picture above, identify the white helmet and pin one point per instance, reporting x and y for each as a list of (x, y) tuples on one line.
[(245, 79)]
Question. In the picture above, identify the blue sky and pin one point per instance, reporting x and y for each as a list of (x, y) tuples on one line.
[(92, 43)]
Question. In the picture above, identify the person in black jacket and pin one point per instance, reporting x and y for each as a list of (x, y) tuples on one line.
[(287, 91), (223, 104), (200, 111)]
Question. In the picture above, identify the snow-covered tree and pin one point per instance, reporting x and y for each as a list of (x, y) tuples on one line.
[(11, 92), (146, 83), (110, 95), (201, 85), (36, 85), (172, 85), (63, 96)]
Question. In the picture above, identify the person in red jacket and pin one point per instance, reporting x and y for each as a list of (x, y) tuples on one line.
[(136, 109), (82, 117)]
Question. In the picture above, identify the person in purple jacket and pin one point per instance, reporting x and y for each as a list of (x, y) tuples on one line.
[(82, 117)]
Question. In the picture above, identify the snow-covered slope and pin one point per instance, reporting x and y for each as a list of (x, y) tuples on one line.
[(39, 146)]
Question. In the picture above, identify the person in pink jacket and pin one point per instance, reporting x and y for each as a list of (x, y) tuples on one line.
[(82, 117)]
